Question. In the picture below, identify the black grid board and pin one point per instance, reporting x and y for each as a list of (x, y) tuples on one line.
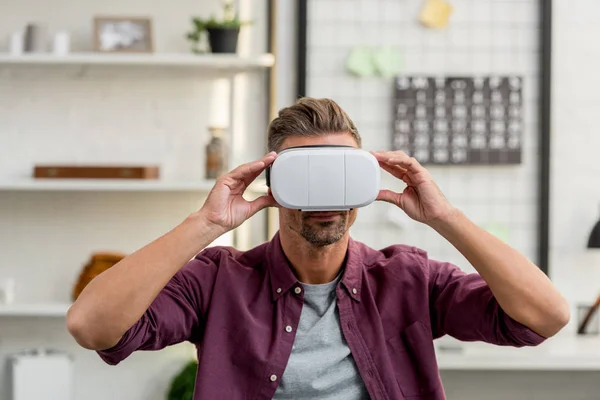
[(459, 120)]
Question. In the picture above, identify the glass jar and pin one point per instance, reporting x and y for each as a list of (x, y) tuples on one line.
[(216, 153)]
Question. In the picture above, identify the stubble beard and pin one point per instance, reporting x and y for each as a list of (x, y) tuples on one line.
[(321, 234)]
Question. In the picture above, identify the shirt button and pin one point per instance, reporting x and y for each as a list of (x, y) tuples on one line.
[(288, 329), (297, 290), (278, 290), (273, 378), (354, 291)]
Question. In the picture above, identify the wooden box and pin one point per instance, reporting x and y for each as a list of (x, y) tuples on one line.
[(96, 172)]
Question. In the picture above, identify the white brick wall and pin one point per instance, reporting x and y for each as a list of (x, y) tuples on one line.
[(138, 115)]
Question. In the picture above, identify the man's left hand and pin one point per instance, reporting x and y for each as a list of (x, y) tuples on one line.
[(421, 200)]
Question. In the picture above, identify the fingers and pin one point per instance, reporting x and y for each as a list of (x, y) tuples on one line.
[(261, 203), (403, 167), (249, 171), (397, 171), (389, 196), (399, 158)]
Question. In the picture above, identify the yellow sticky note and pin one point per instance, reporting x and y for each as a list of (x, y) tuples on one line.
[(435, 14)]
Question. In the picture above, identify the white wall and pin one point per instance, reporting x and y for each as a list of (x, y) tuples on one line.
[(575, 171), (66, 115)]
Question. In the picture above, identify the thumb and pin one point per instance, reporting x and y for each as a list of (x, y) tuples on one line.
[(262, 202), (389, 197)]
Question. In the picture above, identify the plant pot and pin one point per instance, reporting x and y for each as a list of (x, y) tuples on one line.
[(223, 40)]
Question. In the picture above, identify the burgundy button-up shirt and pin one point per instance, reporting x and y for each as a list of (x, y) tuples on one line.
[(235, 306)]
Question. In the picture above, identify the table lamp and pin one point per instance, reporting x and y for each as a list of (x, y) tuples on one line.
[(594, 240)]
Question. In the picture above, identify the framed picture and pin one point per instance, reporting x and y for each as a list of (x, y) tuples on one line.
[(123, 35)]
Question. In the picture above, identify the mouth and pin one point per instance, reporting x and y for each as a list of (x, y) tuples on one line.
[(322, 216)]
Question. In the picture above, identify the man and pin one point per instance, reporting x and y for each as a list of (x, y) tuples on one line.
[(313, 314)]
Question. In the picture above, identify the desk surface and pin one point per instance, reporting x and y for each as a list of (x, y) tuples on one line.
[(561, 353)]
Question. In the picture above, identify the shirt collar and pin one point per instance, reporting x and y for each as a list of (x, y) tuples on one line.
[(283, 279)]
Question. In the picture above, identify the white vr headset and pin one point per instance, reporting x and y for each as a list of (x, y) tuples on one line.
[(324, 178)]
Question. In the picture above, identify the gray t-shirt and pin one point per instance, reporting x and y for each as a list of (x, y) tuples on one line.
[(321, 365)]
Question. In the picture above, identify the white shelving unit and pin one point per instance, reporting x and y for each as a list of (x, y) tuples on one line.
[(114, 185), (230, 63), (223, 65), (228, 66), (91, 108), (34, 310)]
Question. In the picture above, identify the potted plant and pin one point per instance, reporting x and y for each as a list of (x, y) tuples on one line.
[(182, 385), (222, 34)]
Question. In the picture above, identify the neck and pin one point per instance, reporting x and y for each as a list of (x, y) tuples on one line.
[(313, 264)]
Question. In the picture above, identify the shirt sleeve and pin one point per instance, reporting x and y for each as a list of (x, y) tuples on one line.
[(463, 306), (174, 316)]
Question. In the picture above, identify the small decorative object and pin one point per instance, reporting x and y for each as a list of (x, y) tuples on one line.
[(435, 14), (96, 172), (366, 62), (17, 43), (220, 103), (123, 35), (61, 44), (216, 154), (34, 38), (359, 62), (182, 385), (594, 240), (589, 323), (222, 34), (7, 291), (387, 62), (98, 263)]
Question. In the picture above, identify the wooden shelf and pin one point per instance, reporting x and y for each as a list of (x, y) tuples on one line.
[(110, 185), (201, 61), (34, 310)]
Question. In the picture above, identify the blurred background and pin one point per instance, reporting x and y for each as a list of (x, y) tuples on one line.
[(116, 117)]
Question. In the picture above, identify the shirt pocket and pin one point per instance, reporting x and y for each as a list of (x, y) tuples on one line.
[(415, 366)]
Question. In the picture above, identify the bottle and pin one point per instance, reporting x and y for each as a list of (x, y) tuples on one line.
[(216, 154)]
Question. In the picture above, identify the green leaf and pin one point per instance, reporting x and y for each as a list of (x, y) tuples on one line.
[(182, 385), (193, 36), (230, 21)]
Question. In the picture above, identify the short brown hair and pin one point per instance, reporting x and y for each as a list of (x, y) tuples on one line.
[(310, 117)]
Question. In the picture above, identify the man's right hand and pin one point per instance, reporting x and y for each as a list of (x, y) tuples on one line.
[(116, 299), (225, 206)]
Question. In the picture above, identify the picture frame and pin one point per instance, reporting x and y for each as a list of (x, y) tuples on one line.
[(123, 34)]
